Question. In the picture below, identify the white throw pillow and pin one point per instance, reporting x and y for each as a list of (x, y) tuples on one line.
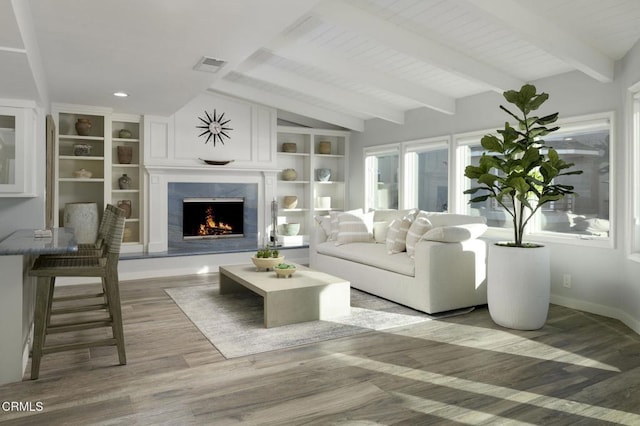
[(455, 234), (333, 234), (417, 229), (380, 230), (397, 235), (354, 228)]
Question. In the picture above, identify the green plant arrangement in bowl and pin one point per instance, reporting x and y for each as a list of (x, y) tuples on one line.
[(266, 258), (284, 270), (521, 173)]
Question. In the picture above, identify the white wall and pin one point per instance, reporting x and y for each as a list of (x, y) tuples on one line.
[(603, 279)]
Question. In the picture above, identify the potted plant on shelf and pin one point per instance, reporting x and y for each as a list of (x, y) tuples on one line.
[(519, 172)]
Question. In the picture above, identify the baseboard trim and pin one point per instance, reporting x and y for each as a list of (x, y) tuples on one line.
[(594, 308)]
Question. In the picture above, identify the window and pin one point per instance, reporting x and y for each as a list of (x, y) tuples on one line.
[(635, 171), (426, 177), (382, 168), (584, 141)]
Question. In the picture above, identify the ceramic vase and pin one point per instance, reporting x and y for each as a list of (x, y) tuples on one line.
[(289, 147), (290, 201), (125, 205), (83, 218), (323, 175), (124, 134), (125, 153), (82, 149), (289, 174), (324, 147), (83, 127), (124, 182)]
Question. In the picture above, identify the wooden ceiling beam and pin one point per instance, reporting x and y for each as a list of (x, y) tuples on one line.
[(391, 35), (285, 103), (548, 36)]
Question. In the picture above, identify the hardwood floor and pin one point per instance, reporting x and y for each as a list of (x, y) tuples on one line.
[(579, 369)]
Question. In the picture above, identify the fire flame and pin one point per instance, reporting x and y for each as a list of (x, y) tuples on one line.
[(211, 227)]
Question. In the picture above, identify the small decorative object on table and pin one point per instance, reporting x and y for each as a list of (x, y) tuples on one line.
[(266, 258), (124, 134), (82, 149), (289, 174), (323, 175), (124, 182), (284, 270), (125, 154), (289, 147), (83, 127)]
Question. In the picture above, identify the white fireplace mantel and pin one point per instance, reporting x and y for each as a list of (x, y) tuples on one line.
[(159, 178)]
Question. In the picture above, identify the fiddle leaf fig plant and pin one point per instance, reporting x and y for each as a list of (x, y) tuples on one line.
[(517, 169)]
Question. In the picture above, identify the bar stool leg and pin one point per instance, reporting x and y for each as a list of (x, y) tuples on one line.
[(113, 295), (44, 288)]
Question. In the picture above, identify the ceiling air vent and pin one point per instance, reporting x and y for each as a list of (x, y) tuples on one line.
[(208, 64)]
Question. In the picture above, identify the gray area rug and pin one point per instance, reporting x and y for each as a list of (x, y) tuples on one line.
[(234, 323)]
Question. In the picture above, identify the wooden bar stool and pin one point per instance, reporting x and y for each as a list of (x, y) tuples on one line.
[(93, 262)]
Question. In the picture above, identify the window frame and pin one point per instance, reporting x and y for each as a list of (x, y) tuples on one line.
[(419, 146), (371, 151), (633, 136), (464, 140)]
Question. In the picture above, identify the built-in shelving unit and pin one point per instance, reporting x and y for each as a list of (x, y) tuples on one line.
[(306, 187), (101, 160), (125, 132)]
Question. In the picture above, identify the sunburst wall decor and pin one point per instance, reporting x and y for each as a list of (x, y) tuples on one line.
[(214, 127)]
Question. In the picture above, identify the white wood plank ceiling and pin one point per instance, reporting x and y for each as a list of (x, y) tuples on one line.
[(379, 58), (338, 61)]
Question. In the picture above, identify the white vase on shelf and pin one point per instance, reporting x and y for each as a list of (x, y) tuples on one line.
[(83, 218)]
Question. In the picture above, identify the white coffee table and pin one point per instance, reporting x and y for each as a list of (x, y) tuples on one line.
[(307, 296)]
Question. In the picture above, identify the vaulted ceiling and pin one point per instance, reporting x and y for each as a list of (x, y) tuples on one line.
[(338, 61)]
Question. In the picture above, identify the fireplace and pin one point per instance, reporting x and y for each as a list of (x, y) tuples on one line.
[(216, 217), (239, 203)]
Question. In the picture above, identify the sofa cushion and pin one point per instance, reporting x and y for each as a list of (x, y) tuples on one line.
[(388, 215), (455, 234), (397, 235), (354, 227), (417, 229), (370, 254), (450, 219)]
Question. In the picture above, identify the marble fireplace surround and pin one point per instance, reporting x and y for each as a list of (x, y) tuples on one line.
[(169, 184)]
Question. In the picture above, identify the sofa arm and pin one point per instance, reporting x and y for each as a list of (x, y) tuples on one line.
[(454, 274)]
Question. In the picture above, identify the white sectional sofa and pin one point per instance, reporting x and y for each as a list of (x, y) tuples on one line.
[(440, 276)]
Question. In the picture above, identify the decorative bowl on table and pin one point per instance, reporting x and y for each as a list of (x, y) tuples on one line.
[(284, 270), (266, 263)]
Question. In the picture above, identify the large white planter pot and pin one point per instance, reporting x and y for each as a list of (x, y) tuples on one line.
[(518, 286)]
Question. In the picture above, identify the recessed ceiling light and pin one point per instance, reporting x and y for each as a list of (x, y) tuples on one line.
[(121, 94)]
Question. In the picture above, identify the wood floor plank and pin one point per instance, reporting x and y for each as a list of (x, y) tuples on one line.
[(579, 368)]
